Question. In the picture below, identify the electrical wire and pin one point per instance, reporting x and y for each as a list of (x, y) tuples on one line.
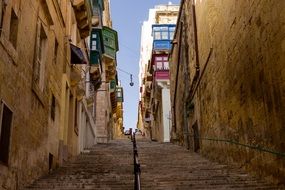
[(124, 71)]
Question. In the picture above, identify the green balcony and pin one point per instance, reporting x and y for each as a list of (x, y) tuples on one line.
[(96, 46), (113, 85), (119, 94), (110, 41)]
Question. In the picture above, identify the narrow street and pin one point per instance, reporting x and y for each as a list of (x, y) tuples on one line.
[(163, 166), (201, 83)]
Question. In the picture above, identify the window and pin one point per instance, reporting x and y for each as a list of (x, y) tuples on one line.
[(109, 42), (171, 32), (6, 116), (161, 63), (163, 32), (157, 36), (50, 161), (164, 35), (166, 65), (94, 42), (55, 53), (52, 109), (13, 28), (40, 56)]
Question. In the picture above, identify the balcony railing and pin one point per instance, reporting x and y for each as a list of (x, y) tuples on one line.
[(137, 168), (162, 75), (162, 45)]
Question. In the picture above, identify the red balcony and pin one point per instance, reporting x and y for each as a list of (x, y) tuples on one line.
[(162, 75), (160, 66)]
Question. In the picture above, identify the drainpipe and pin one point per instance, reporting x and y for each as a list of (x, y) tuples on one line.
[(177, 73), (197, 65)]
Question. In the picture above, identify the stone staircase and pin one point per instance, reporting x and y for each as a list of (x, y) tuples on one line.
[(106, 166), (164, 167)]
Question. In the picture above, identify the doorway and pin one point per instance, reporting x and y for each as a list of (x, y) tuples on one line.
[(50, 161), (196, 137)]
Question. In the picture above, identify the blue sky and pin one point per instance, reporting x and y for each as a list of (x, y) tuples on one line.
[(127, 17)]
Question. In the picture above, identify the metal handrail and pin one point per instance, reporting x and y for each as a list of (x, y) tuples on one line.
[(137, 167)]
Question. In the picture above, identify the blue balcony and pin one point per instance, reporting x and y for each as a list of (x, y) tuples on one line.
[(162, 36), (162, 45)]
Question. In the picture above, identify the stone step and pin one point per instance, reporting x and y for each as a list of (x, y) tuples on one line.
[(164, 166)]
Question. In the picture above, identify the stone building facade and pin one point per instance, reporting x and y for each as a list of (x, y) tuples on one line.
[(48, 104), (154, 107), (227, 83), (105, 98)]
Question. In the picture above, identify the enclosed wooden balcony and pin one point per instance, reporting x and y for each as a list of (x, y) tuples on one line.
[(160, 66), (96, 46), (119, 94), (82, 10), (162, 37), (97, 13), (110, 41)]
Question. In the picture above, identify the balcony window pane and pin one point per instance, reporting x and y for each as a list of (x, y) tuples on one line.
[(157, 36), (158, 58), (155, 28), (94, 45), (166, 65), (159, 65), (171, 35), (164, 35)]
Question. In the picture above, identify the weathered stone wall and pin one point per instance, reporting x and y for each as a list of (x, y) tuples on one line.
[(156, 123), (240, 94), (33, 134), (103, 110)]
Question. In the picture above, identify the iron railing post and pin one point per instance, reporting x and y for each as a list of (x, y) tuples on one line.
[(137, 169)]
